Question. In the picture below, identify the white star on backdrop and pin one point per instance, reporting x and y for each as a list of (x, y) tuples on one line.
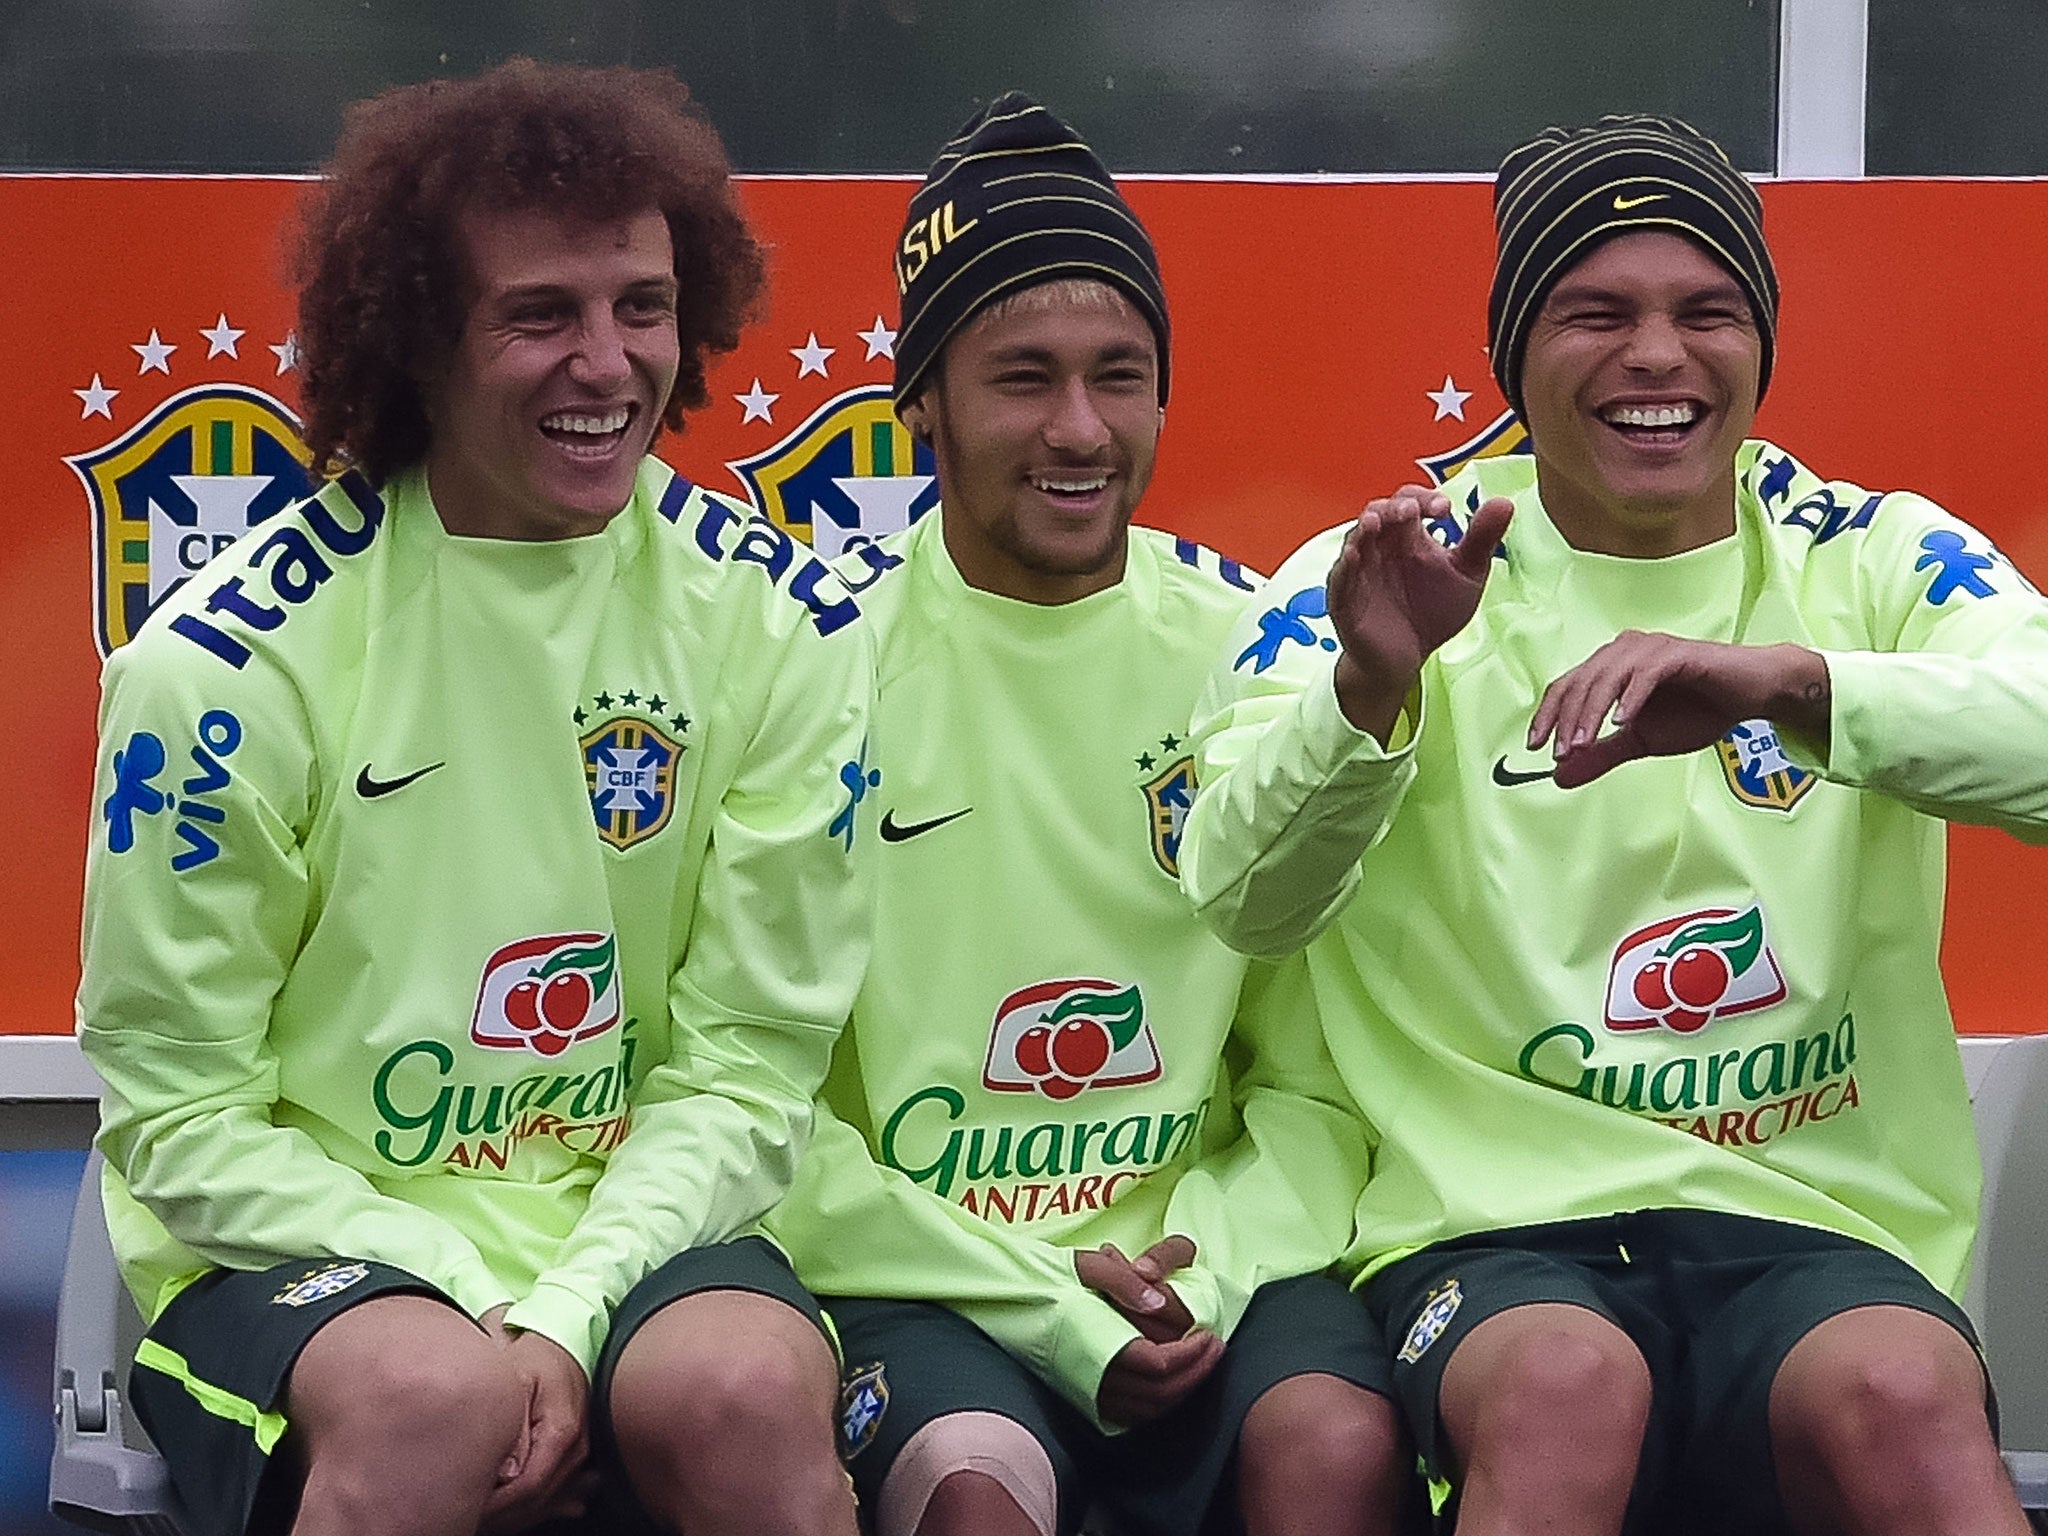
[(155, 353), (99, 400), (758, 404), (287, 352), (811, 357), (222, 338), (1449, 401), (881, 341)]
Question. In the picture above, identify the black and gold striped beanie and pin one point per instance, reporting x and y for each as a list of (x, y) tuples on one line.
[(1015, 198), (1566, 190)]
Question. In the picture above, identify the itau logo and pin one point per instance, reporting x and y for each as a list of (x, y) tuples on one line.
[(547, 993), (1059, 1037), (1685, 972)]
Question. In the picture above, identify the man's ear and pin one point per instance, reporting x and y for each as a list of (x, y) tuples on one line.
[(917, 415)]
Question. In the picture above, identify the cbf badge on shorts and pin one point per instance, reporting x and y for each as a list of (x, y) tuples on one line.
[(1438, 1309), (319, 1284), (862, 1401)]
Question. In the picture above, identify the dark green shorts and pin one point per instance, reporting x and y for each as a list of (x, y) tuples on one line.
[(1715, 1303), (910, 1362), (209, 1381)]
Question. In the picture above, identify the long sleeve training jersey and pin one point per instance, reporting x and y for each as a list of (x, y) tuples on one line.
[(1042, 1057), (1707, 981), (482, 907)]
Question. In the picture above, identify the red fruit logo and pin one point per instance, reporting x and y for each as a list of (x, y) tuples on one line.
[(545, 994), (1685, 972), (1059, 1037)]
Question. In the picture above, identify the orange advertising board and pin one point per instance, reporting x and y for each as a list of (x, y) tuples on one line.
[(1328, 339)]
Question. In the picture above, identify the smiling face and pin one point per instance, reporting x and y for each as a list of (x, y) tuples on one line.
[(1043, 416), (555, 389), (1639, 384)]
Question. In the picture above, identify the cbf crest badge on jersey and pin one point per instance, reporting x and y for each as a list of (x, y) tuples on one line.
[(862, 1401), (1438, 1308), (1169, 796), (199, 471), (629, 766), (851, 474), (1758, 772), (319, 1284)]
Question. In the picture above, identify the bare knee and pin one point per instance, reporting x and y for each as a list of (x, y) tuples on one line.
[(969, 1472), (1550, 1383), (1856, 1393), (1317, 1444), (401, 1395), (721, 1406), (1322, 1431), (768, 1379), (1878, 1423)]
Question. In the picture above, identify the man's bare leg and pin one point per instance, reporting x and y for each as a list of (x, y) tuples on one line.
[(1878, 1427), (1318, 1456), (403, 1413), (722, 1405), (1545, 1406)]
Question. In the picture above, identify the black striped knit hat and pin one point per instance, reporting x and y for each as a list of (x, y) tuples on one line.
[(1015, 198), (1566, 190)]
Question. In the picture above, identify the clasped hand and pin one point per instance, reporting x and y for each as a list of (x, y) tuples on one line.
[(1153, 1373), (546, 1476)]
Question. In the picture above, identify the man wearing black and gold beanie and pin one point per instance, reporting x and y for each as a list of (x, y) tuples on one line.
[(1072, 1260), (1612, 832)]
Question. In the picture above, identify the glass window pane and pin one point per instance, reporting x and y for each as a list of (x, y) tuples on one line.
[(1956, 88), (875, 85)]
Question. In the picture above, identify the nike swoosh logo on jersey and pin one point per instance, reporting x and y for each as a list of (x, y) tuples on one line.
[(894, 831), (1508, 778), (1623, 204), (370, 788)]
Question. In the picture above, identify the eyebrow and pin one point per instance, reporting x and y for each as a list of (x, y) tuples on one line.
[(1023, 352), (1569, 292), (523, 292)]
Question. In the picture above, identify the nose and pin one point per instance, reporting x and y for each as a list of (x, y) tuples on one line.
[(600, 361), (1656, 344), (1076, 425)]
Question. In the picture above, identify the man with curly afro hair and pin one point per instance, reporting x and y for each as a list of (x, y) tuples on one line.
[(482, 885)]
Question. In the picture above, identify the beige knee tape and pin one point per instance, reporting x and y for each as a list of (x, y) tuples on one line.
[(988, 1443)]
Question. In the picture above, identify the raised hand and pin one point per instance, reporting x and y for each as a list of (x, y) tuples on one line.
[(1667, 696), (1395, 594)]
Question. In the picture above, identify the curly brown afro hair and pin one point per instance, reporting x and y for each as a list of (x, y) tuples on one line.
[(382, 288)]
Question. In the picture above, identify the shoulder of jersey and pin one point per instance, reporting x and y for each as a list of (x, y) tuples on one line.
[(1808, 515), (1187, 563), (717, 531), (255, 594)]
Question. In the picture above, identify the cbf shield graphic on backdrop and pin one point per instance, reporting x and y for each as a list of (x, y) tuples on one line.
[(191, 477), (851, 474)]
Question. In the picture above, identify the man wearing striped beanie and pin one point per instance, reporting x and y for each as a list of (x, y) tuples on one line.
[(1073, 1258), (1613, 835)]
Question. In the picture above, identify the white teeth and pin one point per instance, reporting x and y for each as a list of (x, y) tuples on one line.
[(567, 421), (1651, 415), (1070, 487)]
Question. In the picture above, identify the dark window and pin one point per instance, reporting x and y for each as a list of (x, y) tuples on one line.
[(1956, 88), (875, 85)]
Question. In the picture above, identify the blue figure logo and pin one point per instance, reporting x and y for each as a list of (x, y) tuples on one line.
[(1277, 626), (1957, 567), (134, 766), (858, 779)]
